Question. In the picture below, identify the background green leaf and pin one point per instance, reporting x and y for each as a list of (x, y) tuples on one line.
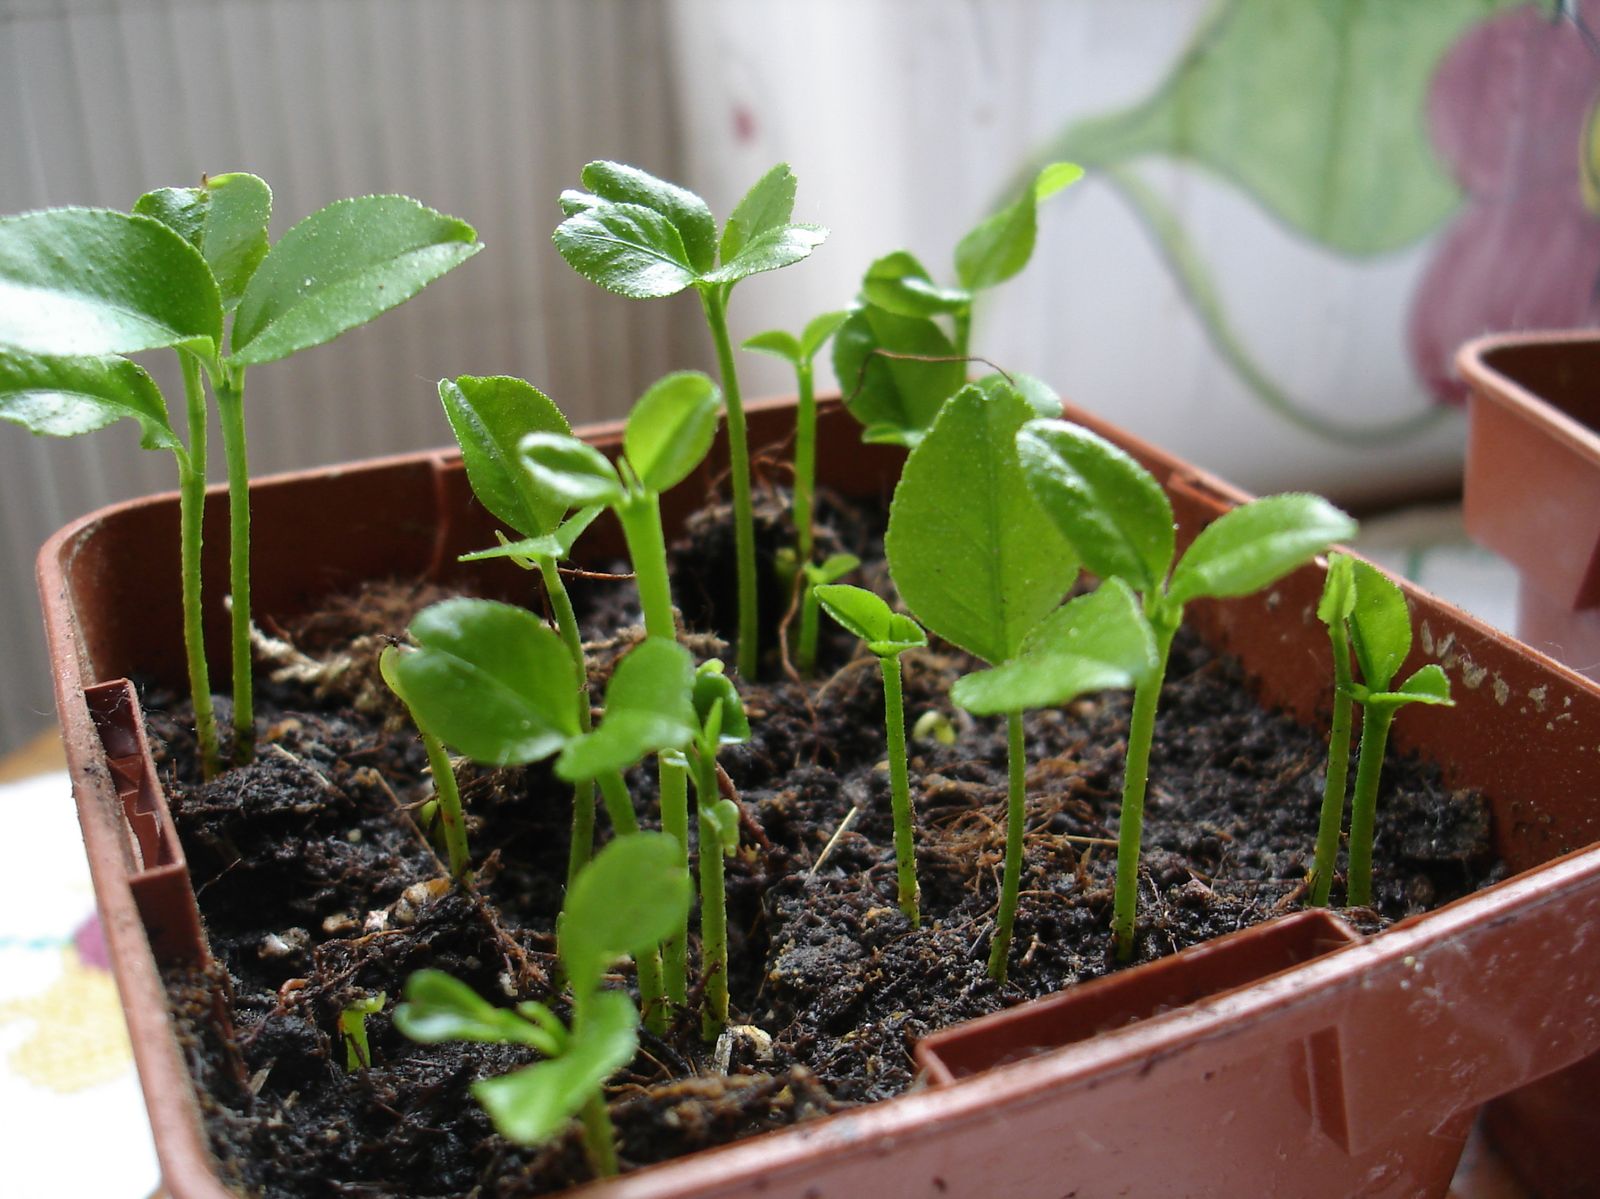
[(768, 204), (63, 397), (628, 899), (897, 397), (1380, 626), (626, 248), (670, 429), (973, 555), (339, 268), (1256, 544), (622, 184), (490, 416), (226, 220), (570, 471), (899, 283), (1000, 246), (78, 281)]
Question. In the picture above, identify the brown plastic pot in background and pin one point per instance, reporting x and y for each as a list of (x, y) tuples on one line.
[(1293, 1058)]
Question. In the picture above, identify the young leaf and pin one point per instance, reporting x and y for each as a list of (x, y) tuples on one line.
[(770, 250), (339, 268), (557, 545), (768, 204), (626, 248), (1000, 246), (724, 817), (58, 295), (628, 899), (900, 284), (225, 219), (1256, 544), (778, 343), (573, 201), (895, 398), (1429, 685), (670, 429), (830, 570), (974, 557), (1380, 626), (1093, 643), (865, 614), (648, 709), (62, 397), (570, 471), (817, 331), (1102, 501), (440, 1008), (490, 680), (489, 417), (534, 1103), (714, 692), (622, 184), (1338, 590)]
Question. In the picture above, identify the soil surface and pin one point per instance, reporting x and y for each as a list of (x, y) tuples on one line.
[(318, 889)]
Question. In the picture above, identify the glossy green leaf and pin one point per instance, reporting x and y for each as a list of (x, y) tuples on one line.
[(490, 681), (1380, 626), (768, 204), (776, 342), (831, 569), (1256, 544), (714, 689), (440, 1008), (533, 1104), (649, 708), (896, 398), (1101, 500), (900, 284), (63, 397), (628, 899), (573, 201), (865, 614), (1429, 685), (570, 471), (557, 545), (626, 248), (82, 281), (341, 267), (225, 219), (1095, 642), (724, 818), (670, 429), (973, 555), (697, 229), (490, 416), (1338, 590), (1041, 397), (769, 250), (1000, 246)]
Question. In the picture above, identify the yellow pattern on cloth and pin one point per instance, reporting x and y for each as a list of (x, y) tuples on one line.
[(79, 1038)]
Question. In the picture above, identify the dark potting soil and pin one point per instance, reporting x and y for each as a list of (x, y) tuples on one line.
[(318, 889)]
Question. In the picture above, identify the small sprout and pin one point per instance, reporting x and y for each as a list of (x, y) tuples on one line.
[(353, 1031), (625, 901), (815, 575), (933, 727), (447, 795), (1333, 609), (644, 238), (888, 634)]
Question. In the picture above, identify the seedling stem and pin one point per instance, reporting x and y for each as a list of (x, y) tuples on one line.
[(1141, 733), (229, 386), (1375, 721), (191, 513), (715, 302)]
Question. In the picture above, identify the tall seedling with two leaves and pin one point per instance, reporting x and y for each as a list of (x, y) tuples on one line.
[(644, 238), (192, 269), (1120, 520)]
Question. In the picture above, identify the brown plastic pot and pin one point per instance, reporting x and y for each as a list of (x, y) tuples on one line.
[(1293, 1058)]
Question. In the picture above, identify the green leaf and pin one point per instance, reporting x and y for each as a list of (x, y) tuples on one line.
[(573, 201), (1041, 397), (1380, 626), (491, 681), (225, 219), (896, 398), (865, 614), (341, 267), (1256, 544), (490, 416), (818, 330), (1429, 685), (900, 284), (82, 281), (973, 555), (533, 1104), (1338, 591), (557, 545), (1000, 246), (715, 690), (697, 229), (769, 250), (63, 397), (777, 343), (649, 708), (440, 1008), (767, 205), (724, 818), (670, 429), (1108, 506), (831, 569), (1093, 643), (570, 471), (629, 897), (626, 248)]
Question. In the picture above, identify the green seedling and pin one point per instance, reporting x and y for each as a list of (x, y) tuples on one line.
[(888, 634), (644, 238), (490, 417), (976, 560), (1380, 634), (353, 1031), (1119, 519), (1334, 609), (447, 795), (192, 269), (799, 352), (814, 575), (896, 362), (721, 721), (623, 903)]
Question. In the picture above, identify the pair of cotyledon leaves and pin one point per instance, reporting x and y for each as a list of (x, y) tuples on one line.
[(79, 287), (1374, 609), (632, 896), (997, 509)]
